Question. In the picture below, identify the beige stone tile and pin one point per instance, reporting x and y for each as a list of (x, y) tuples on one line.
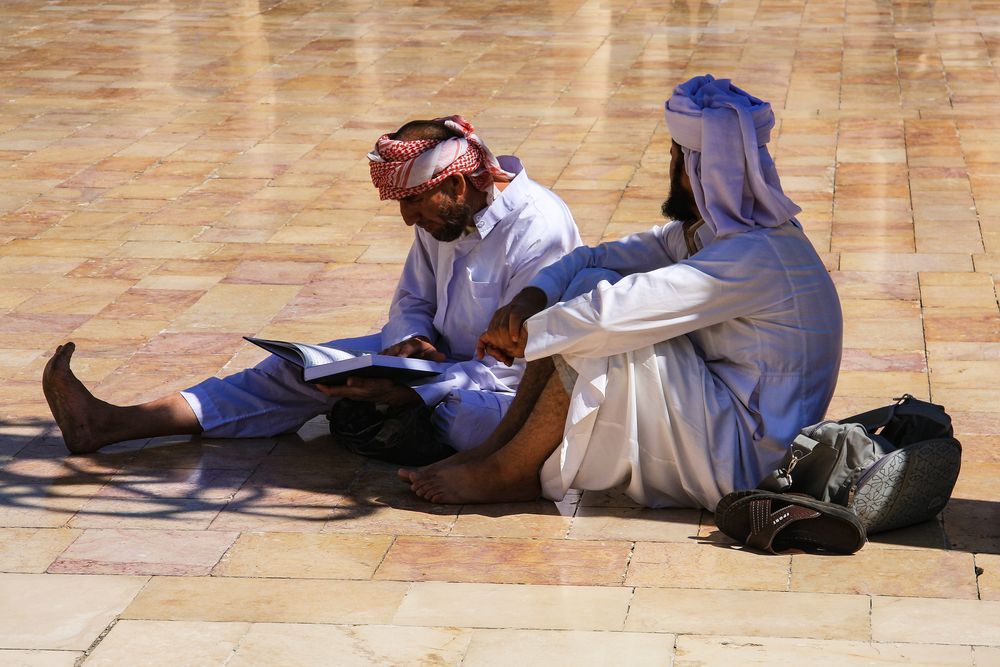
[(152, 512), (39, 658), (264, 508), (896, 619), (625, 523), (49, 611), (235, 308), (882, 384), (926, 535), (115, 551), (964, 375), (32, 549), (506, 560), (271, 600), (607, 498), (950, 290), (192, 483), (965, 400), (168, 643), (891, 309), (989, 580), (507, 606), (573, 647), (542, 519), (193, 283), (750, 613), (164, 249), (304, 556), (698, 650), (961, 324), (200, 454), (39, 511), (986, 655), (883, 334), (271, 644), (389, 520), (900, 261), (680, 565), (922, 573)]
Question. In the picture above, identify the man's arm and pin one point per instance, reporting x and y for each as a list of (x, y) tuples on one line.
[(415, 301), (735, 279), (506, 336), (636, 253)]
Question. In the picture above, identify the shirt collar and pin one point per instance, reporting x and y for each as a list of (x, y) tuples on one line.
[(507, 201), (697, 235)]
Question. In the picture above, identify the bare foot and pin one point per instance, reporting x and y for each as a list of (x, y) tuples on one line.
[(77, 412), (482, 481), (459, 458)]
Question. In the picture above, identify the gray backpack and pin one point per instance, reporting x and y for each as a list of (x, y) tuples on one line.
[(893, 467)]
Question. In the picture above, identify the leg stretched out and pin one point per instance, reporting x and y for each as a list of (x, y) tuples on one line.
[(88, 423)]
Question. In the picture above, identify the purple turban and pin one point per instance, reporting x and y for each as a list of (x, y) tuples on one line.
[(723, 132)]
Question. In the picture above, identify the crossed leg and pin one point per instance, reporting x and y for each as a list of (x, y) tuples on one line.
[(88, 423), (505, 467)]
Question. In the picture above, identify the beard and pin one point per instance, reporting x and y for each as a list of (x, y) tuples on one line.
[(456, 218), (680, 204)]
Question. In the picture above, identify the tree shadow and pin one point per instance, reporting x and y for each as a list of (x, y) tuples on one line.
[(186, 482), (241, 484)]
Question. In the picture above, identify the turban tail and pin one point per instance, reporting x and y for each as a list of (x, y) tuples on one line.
[(405, 168), (723, 131)]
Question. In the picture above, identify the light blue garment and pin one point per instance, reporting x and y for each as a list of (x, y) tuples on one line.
[(447, 292), (694, 371)]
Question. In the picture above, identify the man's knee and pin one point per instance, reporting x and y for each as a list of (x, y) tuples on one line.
[(464, 418), (586, 281)]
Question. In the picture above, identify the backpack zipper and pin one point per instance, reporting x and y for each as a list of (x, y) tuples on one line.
[(866, 475)]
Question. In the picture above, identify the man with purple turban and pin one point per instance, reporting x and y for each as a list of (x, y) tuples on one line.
[(677, 363), (483, 229)]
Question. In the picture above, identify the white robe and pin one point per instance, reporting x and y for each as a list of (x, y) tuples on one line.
[(447, 292), (694, 371)]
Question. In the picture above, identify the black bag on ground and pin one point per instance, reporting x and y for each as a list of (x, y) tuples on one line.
[(403, 436), (893, 466)]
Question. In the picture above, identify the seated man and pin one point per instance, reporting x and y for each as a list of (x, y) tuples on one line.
[(677, 363), (483, 230)]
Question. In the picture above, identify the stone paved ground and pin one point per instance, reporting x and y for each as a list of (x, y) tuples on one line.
[(178, 173)]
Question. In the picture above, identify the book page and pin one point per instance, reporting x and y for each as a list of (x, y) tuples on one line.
[(304, 354), (316, 355)]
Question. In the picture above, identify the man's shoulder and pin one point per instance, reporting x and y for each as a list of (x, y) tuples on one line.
[(526, 200), (762, 247)]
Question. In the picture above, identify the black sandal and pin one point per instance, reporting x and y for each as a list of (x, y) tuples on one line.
[(776, 522)]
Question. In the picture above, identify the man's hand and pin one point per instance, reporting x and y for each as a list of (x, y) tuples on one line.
[(507, 336), (417, 347), (373, 390)]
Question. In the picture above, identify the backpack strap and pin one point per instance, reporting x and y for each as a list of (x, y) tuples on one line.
[(904, 405), (910, 406), (872, 420)]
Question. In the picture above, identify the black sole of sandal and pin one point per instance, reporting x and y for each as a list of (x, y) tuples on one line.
[(909, 485), (776, 522)]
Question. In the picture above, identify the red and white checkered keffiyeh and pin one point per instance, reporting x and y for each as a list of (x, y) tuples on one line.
[(405, 168)]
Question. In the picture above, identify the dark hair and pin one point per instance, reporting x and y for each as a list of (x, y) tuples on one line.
[(432, 130)]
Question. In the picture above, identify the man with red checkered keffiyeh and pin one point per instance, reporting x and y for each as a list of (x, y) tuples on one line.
[(483, 229)]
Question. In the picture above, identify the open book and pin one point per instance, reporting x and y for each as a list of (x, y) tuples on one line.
[(331, 365)]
